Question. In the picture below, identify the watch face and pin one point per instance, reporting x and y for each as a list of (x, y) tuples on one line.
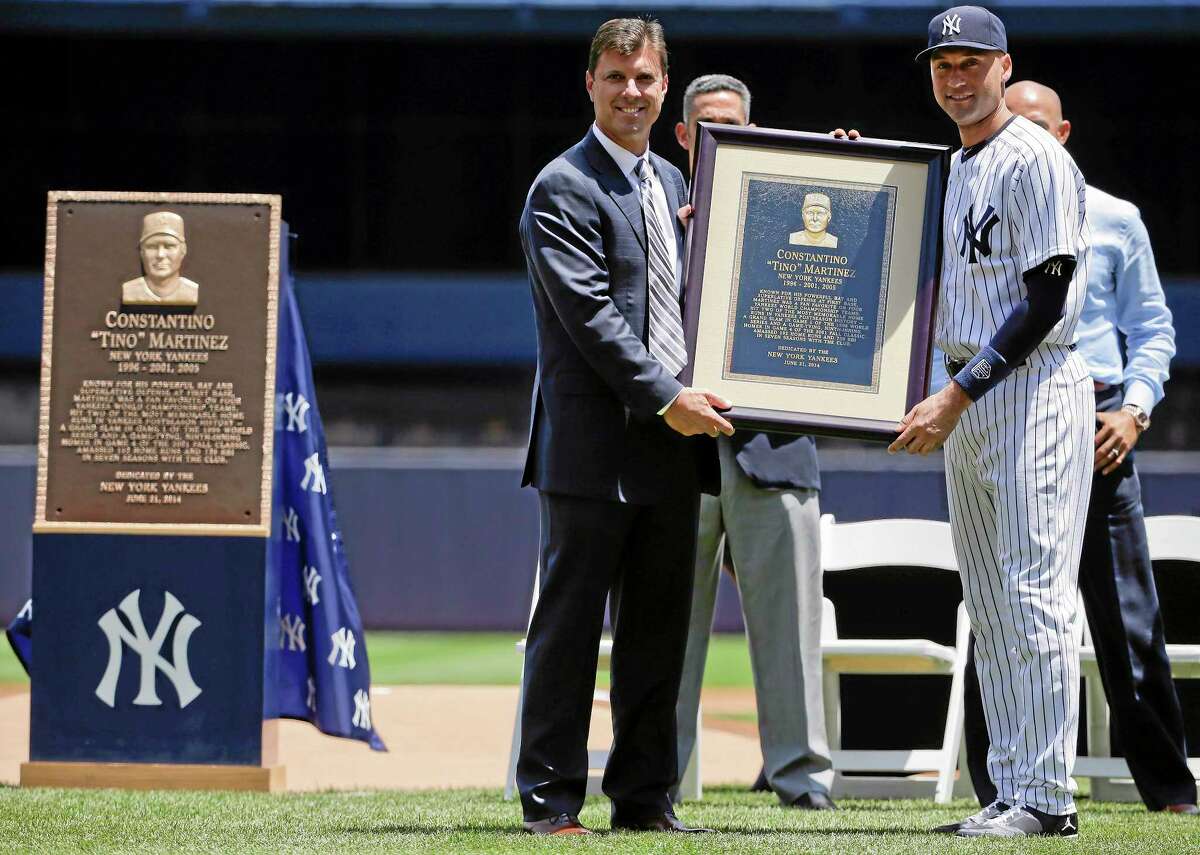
[(1139, 415)]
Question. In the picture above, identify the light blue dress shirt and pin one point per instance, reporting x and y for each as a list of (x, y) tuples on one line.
[(1123, 294)]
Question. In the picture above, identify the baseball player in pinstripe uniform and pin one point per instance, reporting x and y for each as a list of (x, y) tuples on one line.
[(1016, 421), (1116, 580)]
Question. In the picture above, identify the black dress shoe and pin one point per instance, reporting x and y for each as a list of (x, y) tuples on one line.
[(666, 821), (564, 823), (1184, 808), (761, 784), (813, 801)]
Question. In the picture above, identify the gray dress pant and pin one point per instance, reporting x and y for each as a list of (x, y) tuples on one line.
[(774, 539)]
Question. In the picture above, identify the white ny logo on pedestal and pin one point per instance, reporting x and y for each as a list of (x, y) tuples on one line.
[(147, 646)]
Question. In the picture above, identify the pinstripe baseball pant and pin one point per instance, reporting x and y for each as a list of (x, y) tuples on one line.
[(1018, 476)]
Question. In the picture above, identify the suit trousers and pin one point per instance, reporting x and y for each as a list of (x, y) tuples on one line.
[(1117, 583), (643, 555), (774, 538)]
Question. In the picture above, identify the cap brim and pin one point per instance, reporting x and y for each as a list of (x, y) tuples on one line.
[(979, 45)]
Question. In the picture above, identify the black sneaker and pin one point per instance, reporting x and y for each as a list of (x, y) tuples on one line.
[(1025, 822), (990, 812)]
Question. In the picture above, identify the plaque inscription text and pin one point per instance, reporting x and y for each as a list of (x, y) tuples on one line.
[(159, 400)]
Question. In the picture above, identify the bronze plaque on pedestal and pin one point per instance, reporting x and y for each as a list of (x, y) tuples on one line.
[(158, 363)]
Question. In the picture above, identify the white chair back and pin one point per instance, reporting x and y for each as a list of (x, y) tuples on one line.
[(1173, 538), (886, 543)]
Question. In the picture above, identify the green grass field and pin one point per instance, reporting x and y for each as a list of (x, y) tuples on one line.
[(477, 821), (468, 658)]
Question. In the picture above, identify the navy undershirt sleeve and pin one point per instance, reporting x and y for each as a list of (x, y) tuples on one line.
[(1023, 330)]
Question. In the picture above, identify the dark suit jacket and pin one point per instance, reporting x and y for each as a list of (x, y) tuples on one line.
[(594, 428), (777, 460)]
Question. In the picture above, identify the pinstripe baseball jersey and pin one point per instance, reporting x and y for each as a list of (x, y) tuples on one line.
[(1012, 203)]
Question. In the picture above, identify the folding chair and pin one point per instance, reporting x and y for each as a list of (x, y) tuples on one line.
[(893, 543), (1171, 538), (689, 787)]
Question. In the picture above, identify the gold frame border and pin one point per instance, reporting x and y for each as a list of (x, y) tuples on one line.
[(263, 528)]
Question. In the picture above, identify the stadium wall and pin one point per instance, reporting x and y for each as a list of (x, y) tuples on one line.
[(447, 540)]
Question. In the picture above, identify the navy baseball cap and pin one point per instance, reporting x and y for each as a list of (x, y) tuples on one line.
[(965, 26)]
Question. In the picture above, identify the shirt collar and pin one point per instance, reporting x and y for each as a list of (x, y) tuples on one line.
[(626, 160)]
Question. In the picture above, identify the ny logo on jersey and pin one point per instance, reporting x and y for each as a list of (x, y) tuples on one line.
[(951, 25), (148, 647), (976, 237)]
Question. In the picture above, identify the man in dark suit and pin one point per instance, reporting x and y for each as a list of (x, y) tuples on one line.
[(618, 482), (769, 514)]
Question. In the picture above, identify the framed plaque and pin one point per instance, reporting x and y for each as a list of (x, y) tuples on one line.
[(158, 363), (811, 276)]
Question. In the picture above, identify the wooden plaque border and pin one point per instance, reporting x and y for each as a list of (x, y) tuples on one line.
[(928, 251), (41, 525)]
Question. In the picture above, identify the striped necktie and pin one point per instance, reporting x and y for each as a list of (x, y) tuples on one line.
[(666, 327)]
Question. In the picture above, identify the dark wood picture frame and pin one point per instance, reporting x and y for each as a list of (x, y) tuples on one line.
[(709, 139)]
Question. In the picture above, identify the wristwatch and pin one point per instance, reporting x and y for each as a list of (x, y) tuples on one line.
[(1140, 417)]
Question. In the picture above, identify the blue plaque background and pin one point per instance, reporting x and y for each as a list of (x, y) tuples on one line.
[(862, 216)]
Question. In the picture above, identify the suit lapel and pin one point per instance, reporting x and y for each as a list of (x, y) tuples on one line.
[(616, 185)]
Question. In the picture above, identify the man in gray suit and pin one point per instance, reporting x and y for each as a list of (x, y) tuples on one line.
[(618, 481), (769, 514)]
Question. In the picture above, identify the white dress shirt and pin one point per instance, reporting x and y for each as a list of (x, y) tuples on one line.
[(629, 164)]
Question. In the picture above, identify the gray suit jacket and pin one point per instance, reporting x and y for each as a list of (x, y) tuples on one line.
[(594, 425)]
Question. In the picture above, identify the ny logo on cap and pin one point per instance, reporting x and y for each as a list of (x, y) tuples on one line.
[(951, 25)]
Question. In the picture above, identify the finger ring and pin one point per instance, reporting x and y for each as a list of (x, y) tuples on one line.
[(1112, 452)]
